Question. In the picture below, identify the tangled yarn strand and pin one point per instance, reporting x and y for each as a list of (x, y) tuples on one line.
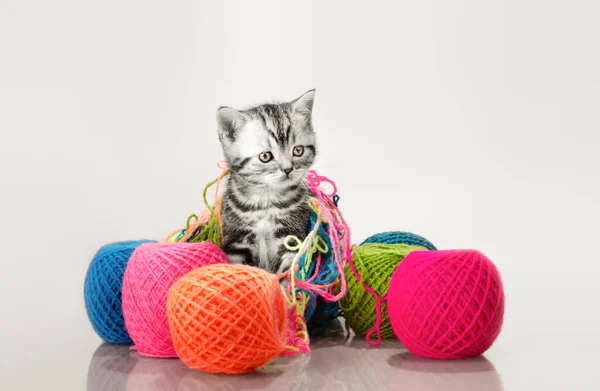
[(378, 301), (305, 285), (209, 226), (297, 300), (317, 269)]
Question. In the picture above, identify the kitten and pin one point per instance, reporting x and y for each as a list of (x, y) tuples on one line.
[(269, 149)]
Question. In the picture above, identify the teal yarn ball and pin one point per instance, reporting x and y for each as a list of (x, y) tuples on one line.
[(102, 290), (399, 237)]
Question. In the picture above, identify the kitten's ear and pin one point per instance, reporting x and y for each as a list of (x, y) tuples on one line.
[(304, 104), (229, 121)]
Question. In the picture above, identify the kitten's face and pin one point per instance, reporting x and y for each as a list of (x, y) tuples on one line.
[(271, 145)]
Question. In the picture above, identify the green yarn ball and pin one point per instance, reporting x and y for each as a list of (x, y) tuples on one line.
[(375, 263)]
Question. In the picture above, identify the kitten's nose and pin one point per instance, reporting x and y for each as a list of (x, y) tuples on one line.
[(287, 171)]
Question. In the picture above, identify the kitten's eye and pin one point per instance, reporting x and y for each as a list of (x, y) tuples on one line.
[(298, 150), (265, 157)]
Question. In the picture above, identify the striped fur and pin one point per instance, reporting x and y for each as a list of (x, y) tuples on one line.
[(266, 201)]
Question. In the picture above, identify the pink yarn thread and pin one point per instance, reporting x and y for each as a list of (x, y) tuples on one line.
[(338, 232), (446, 304), (152, 269), (339, 235), (377, 328), (314, 182), (378, 302)]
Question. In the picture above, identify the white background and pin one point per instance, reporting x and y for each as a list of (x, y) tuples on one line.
[(475, 124)]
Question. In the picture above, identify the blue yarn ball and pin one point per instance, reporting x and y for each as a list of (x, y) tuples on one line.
[(102, 290), (400, 238)]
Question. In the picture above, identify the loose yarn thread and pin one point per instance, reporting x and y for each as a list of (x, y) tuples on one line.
[(368, 276), (318, 267), (207, 227)]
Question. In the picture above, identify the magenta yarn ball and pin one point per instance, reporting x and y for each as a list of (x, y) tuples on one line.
[(152, 269), (446, 304)]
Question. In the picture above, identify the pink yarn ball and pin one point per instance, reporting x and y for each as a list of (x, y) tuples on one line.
[(152, 269), (446, 304)]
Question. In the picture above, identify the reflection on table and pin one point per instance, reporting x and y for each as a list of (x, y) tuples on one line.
[(338, 361)]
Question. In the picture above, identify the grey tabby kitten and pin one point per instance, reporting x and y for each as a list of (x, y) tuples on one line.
[(268, 149)]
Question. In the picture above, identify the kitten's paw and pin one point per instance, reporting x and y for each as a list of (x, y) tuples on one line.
[(286, 262), (284, 284), (237, 259)]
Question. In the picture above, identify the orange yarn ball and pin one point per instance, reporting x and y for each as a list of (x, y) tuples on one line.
[(227, 318)]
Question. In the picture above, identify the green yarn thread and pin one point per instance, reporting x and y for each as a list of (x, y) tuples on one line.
[(375, 263), (211, 231)]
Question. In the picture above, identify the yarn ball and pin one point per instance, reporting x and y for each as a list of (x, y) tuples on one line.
[(227, 318), (375, 264), (446, 304), (152, 269), (102, 290), (398, 237)]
